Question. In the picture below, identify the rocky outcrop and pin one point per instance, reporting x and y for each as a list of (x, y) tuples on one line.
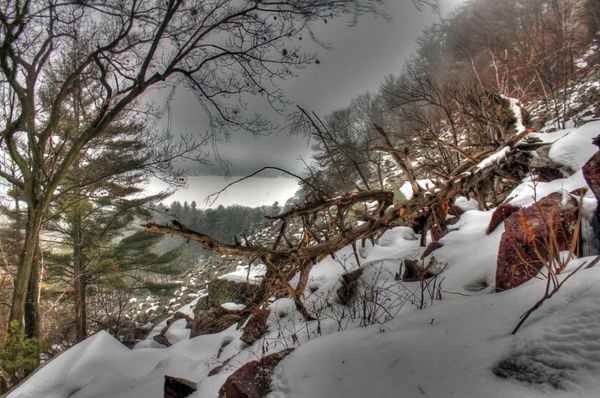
[(253, 379), (524, 244)]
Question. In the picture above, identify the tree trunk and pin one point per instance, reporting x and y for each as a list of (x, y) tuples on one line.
[(79, 282), (26, 266), (32, 302)]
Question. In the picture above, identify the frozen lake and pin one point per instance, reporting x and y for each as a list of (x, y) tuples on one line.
[(253, 192)]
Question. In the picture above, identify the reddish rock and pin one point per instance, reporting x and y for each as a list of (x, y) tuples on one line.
[(253, 380), (256, 326), (523, 246), (591, 173), (501, 213), (431, 247)]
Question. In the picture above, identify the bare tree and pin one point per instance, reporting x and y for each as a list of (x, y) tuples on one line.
[(225, 51)]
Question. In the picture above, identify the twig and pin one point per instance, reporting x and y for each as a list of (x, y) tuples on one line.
[(544, 298), (217, 194)]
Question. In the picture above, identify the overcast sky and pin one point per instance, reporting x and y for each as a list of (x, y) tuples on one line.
[(362, 56)]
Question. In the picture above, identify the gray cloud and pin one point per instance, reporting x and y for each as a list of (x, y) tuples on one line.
[(362, 55)]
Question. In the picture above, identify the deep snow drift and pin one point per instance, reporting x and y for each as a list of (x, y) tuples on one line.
[(386, 345)]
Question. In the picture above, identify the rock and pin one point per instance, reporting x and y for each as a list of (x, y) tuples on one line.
[(256, 326), (209, 317), (431, 247), (349, 285), (212, 321), (180, 315), (253, 379), (413, 271), (523, 248), (162, 339), (226, 291), (501, 213), (176, 387), (545, 168), (591, 173)]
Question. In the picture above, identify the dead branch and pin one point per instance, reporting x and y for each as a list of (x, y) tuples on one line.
[(216, 195)]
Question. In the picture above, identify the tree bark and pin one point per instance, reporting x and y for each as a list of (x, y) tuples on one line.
[(79, 282), (32, 303), (27, 265)]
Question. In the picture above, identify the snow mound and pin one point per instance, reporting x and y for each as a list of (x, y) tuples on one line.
[(575, 148), (562, 346)]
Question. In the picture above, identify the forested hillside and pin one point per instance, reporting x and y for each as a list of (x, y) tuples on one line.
[(490, 112)]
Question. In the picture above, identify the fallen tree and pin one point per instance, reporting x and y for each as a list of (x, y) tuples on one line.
[(310, 232)]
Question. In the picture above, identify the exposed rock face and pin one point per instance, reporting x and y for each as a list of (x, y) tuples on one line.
[(252, 380), (523, 246), (256, 326), (176, 387)]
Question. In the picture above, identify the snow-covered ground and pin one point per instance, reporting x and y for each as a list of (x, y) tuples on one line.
[(385, 344)]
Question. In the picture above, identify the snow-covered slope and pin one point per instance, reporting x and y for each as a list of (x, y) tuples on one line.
[(385, 344)]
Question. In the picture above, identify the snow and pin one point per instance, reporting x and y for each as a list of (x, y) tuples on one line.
[(241, 273), (574, 149), (407, 191), (516, 110), (449, 348), (493, 159)]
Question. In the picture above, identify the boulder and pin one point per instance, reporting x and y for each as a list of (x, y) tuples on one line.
[(209, 316), (176, 387), (349, 285), (501, 213), (256, 326), (253, 379), (227, 291), (414, 272), (212, 321), (545, 168), (523, 246), (591, 173)]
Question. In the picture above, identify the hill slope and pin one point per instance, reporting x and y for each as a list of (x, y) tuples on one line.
[(395, 339)]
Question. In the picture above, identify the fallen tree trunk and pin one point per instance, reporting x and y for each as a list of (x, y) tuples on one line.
[(331, 224)]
